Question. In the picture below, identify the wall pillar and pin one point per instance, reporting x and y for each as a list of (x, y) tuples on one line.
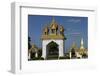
[(61, 48), (36, 54), (44, 49)]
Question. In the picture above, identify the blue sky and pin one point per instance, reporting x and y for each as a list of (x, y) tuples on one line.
[(75, 28)]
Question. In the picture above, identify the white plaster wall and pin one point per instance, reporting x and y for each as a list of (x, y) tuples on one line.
[(59, 42)]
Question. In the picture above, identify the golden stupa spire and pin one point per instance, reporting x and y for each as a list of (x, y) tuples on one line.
[(82, 44), (53, 24)]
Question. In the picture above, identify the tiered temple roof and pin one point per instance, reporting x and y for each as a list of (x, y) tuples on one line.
[(53, 31)]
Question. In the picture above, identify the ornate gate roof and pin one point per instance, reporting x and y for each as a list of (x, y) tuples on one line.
[(53, 31)]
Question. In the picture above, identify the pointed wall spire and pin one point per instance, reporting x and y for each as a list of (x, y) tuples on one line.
[(82, 41), (82, 44)]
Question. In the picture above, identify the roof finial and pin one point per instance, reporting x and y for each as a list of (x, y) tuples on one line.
[(53, 19), (82, 41)]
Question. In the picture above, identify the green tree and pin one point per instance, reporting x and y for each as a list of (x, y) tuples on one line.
[(29, 44)]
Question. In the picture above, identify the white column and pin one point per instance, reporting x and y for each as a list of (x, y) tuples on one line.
[(61, 48), (44, 49), (36, 54)]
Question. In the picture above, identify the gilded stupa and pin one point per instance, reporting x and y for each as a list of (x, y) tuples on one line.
[(81, 49)]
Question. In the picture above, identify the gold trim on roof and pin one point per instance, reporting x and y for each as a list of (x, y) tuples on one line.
[(51, 36), (53, 31)]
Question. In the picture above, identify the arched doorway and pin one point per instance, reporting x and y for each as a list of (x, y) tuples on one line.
[(52, 50)]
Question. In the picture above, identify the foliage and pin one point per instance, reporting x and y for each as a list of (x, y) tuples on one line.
[(39, 52), (84, 56), (29, 44)]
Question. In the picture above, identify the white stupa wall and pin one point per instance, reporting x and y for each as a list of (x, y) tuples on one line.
[(46, 42)]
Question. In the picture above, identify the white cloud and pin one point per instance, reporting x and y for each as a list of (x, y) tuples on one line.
[(74, 20)]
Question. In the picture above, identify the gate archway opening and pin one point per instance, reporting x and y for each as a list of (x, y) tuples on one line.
[(52, 50)]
